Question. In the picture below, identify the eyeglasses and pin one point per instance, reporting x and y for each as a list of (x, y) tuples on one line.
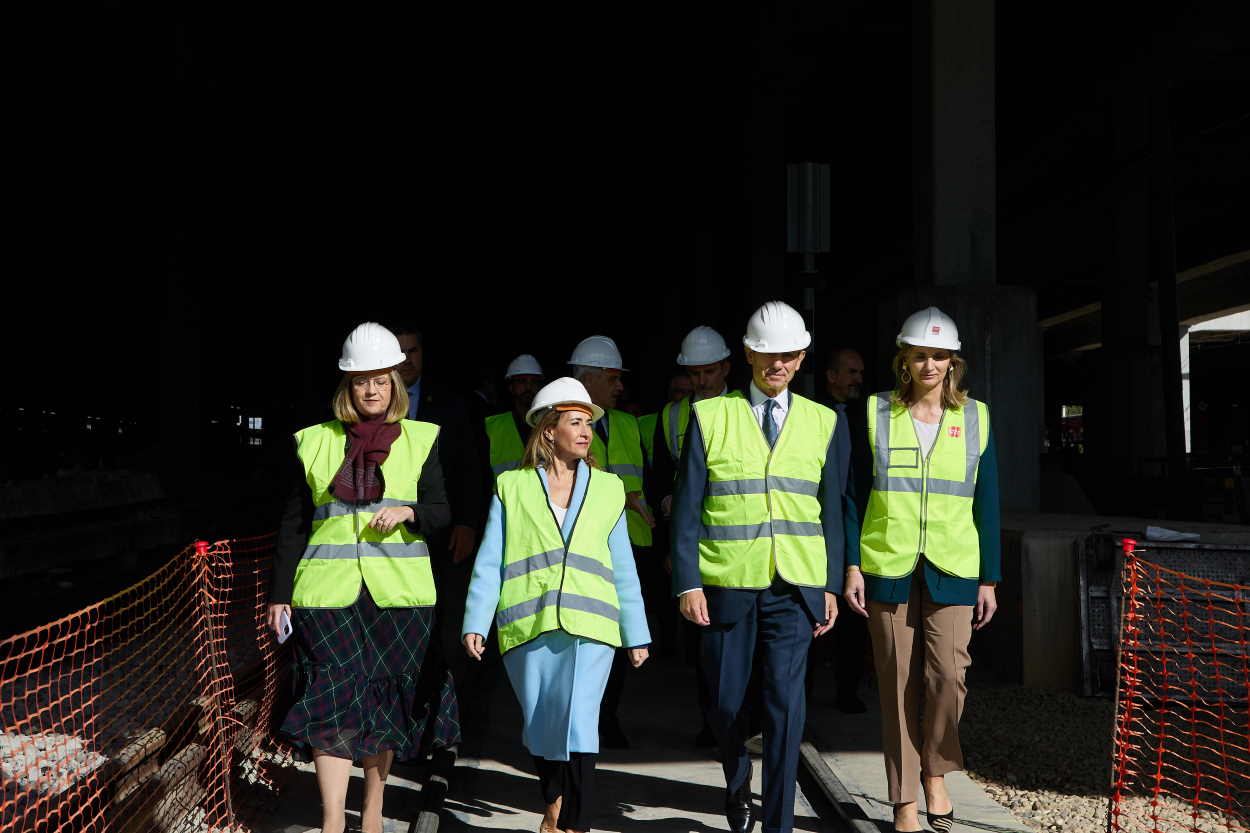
[(381, 382)]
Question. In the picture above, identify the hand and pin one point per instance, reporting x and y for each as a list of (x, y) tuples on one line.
[(634, 501), (390, 517), (475, 645), (986, 605), (693, 606), (853, 591), (831, 613), (666, 506), (274, 617), (462, 542), (637, 656)]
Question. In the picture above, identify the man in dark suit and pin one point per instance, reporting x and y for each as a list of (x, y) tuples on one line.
[(846, 648), (758, 542), (466, 473)]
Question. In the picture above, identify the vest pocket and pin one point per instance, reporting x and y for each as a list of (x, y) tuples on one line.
[(904, 458)]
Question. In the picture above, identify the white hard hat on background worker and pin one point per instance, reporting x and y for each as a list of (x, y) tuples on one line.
[(370, 347), (523, 365), (563, 391), (776, 327), (701, 346), (929, 328), (597, 351)]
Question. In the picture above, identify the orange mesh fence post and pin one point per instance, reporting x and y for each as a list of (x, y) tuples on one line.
[(150, 710), (1181, 743)]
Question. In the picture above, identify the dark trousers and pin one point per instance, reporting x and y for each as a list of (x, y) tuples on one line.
[(475, 680), (573, 779), (776, 632), (615, 687), (845, 649)]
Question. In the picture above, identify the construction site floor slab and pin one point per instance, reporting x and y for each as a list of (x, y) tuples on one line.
[(851, 745), (662, 784)]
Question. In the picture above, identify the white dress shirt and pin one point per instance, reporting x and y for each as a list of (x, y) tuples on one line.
[(758, 398)]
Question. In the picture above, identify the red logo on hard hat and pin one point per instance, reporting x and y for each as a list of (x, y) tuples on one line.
[(936, 329), (954, 430)]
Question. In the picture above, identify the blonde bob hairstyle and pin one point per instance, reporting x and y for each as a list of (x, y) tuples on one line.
[(540, 451), (954, 396), (345, 409)]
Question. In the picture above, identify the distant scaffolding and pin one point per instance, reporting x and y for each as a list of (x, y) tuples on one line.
[(1181, 755), (148, 711)]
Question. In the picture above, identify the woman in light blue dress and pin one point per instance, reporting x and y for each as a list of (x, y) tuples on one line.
[(556, 572)]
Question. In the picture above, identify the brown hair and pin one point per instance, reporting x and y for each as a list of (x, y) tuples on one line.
[(540, 451), (345, 409), (954, 396)]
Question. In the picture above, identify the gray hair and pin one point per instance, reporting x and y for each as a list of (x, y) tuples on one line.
[(581, 371)]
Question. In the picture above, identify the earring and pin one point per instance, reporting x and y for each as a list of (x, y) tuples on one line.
[(905, 376)]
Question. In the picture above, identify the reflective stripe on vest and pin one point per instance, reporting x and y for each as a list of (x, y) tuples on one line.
[(506, 448), (761, 512), (623, 457), (343, 550), (646, 433), (922, 504), (546, 584), (676, 419)]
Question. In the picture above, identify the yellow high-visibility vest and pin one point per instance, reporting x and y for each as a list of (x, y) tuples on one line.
[(343, 550), (761, 510), (623, 457), (922, 504), (546, 584), (506, 448), (646, 432), (675, 418)]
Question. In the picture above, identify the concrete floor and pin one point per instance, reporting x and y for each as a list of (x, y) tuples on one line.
[(663, 784)]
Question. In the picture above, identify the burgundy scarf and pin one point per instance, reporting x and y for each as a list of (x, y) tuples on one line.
[(369, 444)]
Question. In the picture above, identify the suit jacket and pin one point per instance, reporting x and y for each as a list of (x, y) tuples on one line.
[(460, 452), (728, 605)]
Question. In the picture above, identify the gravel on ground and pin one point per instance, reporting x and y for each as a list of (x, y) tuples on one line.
[(1046, 756)]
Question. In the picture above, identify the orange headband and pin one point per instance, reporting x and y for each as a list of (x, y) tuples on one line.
[(573, 406)]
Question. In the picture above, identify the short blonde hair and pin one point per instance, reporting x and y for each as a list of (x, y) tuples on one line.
[(345, 409), (540, 451), (954, 396)]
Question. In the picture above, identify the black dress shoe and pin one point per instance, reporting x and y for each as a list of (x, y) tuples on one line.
[(738, 808)]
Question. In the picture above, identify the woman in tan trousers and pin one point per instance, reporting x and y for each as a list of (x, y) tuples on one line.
[(928, 558)]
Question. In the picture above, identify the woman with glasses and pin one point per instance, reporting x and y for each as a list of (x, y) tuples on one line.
[(352, 583)]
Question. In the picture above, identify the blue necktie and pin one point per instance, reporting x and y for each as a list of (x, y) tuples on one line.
[(770, 427)]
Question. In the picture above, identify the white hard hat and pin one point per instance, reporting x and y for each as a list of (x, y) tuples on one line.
[(370, 347), (563, 391), (776, 327), (702, 345), (523, 365), (929, 328), (596, 351)]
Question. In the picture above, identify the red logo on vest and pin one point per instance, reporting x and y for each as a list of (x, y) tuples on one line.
[(954, 431)]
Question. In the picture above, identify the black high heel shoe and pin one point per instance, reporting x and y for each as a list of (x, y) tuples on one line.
[(942, 822)]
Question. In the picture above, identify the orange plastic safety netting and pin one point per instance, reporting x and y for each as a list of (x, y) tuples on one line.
[(150, 710), (1181, 756)]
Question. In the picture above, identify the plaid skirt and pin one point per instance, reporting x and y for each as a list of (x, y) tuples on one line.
[(367, 681)]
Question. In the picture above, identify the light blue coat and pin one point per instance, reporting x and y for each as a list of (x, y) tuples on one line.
[(558, 678)]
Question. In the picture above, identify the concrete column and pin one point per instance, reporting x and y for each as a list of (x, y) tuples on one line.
[(955, 237), (956, 99)]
